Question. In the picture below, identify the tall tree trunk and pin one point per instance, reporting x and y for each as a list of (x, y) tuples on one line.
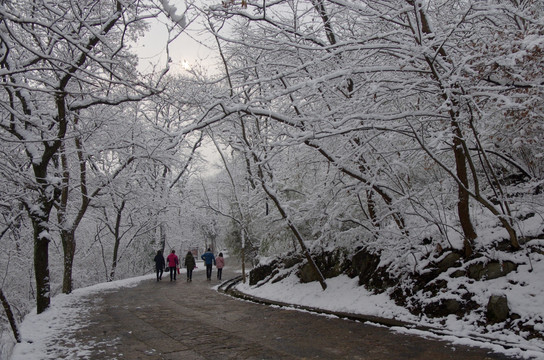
[(272, 196), (162, 237), (243, 254), (297, 234), (39, 216), (463, 199), (422, 25), (66, 231), (41, 260), (117, 237), (322, 11), (69, 247), (371, 206), (9, 315)]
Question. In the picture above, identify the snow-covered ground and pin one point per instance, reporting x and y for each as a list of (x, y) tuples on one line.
[(342, 294)]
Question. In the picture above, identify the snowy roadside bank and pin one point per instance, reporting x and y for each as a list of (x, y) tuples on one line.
[(343, 295)]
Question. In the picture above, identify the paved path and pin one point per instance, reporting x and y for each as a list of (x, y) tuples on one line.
[(180, 320)]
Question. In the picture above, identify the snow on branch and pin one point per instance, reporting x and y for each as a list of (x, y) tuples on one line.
[(171, 12)]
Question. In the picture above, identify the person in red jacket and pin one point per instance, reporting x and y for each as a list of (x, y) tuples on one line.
[(219, 263), (173, 261)]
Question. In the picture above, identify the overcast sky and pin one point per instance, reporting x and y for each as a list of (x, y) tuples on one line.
[(185, 50)]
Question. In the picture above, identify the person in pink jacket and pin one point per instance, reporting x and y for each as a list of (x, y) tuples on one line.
[(172, 261), (219, 263)]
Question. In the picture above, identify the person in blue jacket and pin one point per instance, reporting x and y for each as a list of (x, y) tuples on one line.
[(209, 260)]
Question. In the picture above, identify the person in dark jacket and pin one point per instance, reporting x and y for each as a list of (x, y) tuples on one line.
[(190, 264), (209, 260), (159, 264)]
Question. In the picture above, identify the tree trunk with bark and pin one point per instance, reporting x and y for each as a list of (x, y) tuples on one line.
[(41, 261), (463, 197), (9, 315), (296, 233), (69, 247), (117, 239)]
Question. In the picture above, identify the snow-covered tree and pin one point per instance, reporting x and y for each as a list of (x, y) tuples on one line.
[(59, 61), (402, 100)]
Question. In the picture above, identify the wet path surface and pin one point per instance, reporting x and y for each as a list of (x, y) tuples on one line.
[(180, 320)]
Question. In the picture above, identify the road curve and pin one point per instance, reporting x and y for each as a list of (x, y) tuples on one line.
[(181, 320)]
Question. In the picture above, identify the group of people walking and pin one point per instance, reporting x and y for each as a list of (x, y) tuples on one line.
[(190, 264), (210, 260)]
